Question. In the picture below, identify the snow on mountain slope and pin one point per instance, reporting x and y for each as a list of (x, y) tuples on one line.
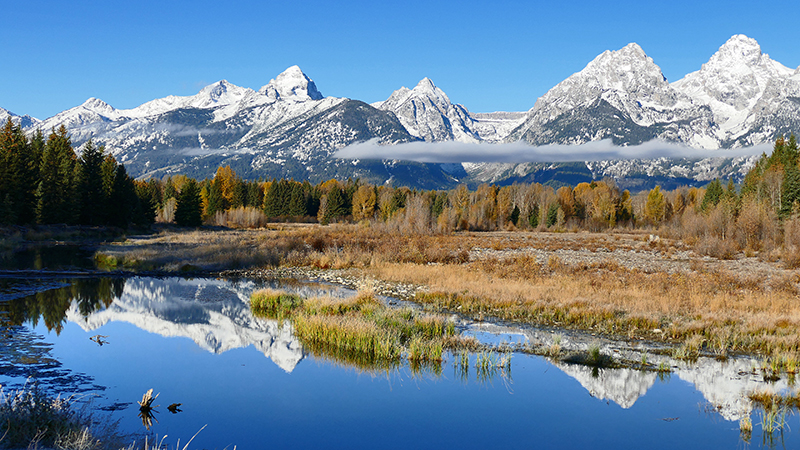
[(25, 121), (427, 113), (622, 95), (732, 82)]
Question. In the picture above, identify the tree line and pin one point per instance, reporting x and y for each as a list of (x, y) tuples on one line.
[(43, 181)]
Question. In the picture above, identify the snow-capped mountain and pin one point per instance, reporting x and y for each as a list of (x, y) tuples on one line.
[(427, 113), (287, 128), (621, 95), (25, 121), (747, 92), (731, 102)]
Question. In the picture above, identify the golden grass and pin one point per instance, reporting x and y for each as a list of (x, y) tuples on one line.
[(359, 329), (711, 311), (719, 310)]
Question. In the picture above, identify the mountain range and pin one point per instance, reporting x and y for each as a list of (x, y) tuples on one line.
[(287, 128)]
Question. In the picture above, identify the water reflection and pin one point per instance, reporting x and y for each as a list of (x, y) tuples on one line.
[(215, 315), (51, 306)]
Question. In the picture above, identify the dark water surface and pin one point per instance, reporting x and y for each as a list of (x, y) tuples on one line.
[(50, 257), (252, 385)]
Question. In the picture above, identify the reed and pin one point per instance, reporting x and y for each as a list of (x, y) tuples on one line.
[(274, 304), (32, 418), (360, 328)]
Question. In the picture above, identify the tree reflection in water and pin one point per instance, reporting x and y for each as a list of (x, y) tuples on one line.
[(51, 306)]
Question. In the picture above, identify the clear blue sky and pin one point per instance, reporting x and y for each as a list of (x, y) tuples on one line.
[(487, 56)]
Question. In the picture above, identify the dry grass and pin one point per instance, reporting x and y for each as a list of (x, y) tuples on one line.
[(720, 306)]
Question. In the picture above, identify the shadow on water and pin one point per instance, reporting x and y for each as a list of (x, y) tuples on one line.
[(51, 257)]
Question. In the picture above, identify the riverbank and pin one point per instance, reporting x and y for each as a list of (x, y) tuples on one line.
[(625, 284)]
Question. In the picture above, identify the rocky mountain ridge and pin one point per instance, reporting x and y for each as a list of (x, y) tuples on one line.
[(287, 128)]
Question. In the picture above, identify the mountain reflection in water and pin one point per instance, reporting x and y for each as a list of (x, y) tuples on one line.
[(215, 315)]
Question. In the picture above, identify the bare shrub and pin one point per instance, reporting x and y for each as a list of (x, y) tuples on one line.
[(242, 217), (711, 245), (791, 243), (755, 225)]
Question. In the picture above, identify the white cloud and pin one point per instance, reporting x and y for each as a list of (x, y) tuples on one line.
[(518, 152)]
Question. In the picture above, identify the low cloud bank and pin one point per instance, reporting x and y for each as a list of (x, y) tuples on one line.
[(518, 152)]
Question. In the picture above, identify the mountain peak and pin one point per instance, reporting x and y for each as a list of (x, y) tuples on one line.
[(98, 106), (292, 83), (739, 48), (95, 103), (426, 83), (220, 91)]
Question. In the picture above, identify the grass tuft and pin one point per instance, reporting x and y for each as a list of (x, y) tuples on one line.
[(360, 329)]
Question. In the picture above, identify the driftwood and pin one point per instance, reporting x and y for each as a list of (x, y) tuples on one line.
[(146, 409), (175, 408)]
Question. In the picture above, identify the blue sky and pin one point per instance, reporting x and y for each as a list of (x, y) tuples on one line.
[(487, 56)]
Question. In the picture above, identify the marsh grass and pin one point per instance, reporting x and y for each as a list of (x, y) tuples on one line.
[(733, 312), (31, 418), (274, 304), (360, 329), (746, 428)]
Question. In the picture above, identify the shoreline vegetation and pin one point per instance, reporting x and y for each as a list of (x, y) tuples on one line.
[(624, 284), (361, 330)]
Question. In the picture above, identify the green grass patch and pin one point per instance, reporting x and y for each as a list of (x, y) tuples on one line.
[(359, 329)]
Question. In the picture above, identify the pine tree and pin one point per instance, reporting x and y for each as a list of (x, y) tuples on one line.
[(148, 198), (335, 206), (55, 192), (20, 174), (123, 202), (169, 190), (276, 199), (297, 201), (93, 199), (713, 195), (188, 209), (216, 201)]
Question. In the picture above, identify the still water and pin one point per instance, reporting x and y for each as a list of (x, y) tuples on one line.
[(252, 385)]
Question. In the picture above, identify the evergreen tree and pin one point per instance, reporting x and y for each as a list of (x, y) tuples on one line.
[(335, 206), (297, 201), (253, 196), (437, 206), (276, 199), (20, 174), (313, 198), (93, 198), (552, 214), (790, 190), (533, 216), (169, 190), (123, 202), (55, 192), (216, 202), (514, 216), (188, 211), (713, 195), (148, 198)]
